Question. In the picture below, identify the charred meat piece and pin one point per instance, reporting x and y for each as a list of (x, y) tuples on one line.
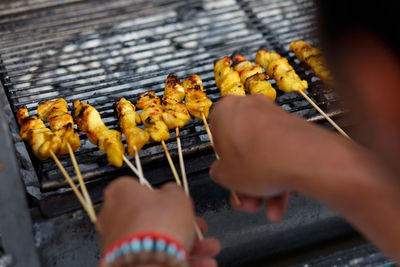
[(40, 138), (175, 115), (313, 57), (253, 77), (61, 123), (196, 100), (151, 116), (279, 68), (227, 79), (136, 138), (89, 121)]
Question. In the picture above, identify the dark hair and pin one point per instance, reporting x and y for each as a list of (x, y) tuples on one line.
[(338, 18)]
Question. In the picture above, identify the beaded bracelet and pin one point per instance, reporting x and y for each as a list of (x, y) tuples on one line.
[(137, 244)]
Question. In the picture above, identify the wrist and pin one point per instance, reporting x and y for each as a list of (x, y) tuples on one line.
[(145, 248)]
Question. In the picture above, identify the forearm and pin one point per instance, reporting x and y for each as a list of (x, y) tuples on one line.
[(361, 189)]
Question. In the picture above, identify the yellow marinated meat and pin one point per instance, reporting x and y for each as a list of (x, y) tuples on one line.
[(175, 113), (61, 123), (174, 87), (196, 100), (40, 138), (151, 116), (258, 84), (227, 79), (313, 57), (88, 120), (253, 77), (280, 70), (136, 138)]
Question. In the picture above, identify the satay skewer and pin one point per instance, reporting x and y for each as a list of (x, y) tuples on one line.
[(175, 116), (287, 80), (135, 137), (44, 144), (152, 119), (314, 59), (61, 123)]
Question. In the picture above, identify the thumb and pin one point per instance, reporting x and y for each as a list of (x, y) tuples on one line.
[(219, 173)]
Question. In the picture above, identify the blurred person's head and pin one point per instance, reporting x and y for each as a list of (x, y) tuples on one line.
[(362, 46)]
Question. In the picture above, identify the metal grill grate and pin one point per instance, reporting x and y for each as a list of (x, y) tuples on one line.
[(99, 51)]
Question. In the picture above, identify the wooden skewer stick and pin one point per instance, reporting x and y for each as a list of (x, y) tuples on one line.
[(340, 130), (137, 160), (178, 182), (73, 186), (140, 170), (171, 164), (142, 180), (199, 234), (85, 193), (181, 162), (233, 193), (209, 132)]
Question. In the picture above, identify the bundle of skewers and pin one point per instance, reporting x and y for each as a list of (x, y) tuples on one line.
[(242, 76), (180, 101), (158, 117)]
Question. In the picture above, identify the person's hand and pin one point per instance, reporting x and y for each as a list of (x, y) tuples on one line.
[(264, 151), (202, 252), (130, 208), (276, 206)]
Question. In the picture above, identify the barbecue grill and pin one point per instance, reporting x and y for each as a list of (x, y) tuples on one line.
[(99, 51)]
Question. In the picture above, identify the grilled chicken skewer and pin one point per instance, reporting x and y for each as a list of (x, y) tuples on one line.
[(278, 68), (136, 138), (45, 143), (197, 102), (253, 77), (229, 83), (227, 80), (287, 80), (89, 121), (40, 138), (61, 123), (176, 115), (152, 119), (313, 57)]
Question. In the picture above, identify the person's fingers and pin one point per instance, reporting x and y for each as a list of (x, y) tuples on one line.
[(175, 191), (219, 173), (203, 262), (122, 182), (202, 224), (208, 247), (219, 109), (220, 122), (172, 188), (276, 207), (247, 204)]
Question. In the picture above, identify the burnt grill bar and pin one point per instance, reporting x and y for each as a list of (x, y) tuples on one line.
[(100, 52)]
